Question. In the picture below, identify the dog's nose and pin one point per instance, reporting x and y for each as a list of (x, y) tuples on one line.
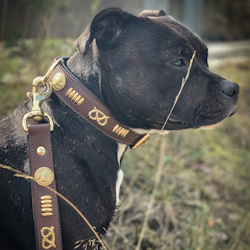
[(230, 89)]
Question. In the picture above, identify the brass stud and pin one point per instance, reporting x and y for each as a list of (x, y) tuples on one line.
[(47, 210), (121, 131), (115, 128), (80, 102), (47, 214), (46, 197), (124, 135), (71, 94), (69, 91), (58, 81), (46, 201), (47, 205), (74, 96), (77, 99), (118, 130), (41, 150)]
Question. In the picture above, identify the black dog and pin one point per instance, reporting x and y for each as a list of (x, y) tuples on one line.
[(135, 66)]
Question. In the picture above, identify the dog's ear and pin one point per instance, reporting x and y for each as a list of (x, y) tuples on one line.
[(106, 28), (153, 13)]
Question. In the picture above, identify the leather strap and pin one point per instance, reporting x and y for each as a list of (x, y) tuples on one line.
[(79, 99), (45, 203)]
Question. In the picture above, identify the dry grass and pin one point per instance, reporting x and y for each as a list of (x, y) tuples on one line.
[(203, 198)]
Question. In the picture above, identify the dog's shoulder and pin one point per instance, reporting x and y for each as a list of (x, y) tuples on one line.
[(11, 126)]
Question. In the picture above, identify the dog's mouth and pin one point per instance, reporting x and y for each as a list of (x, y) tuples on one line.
[(176, 124), (201, 121), (176, 121), (205, 122)]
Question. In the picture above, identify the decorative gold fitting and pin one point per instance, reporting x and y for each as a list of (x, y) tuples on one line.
[(47, 214), (49, 238), (98, 116), (120, 131), (46, 197), (44, 176), (143, 139), (74, 96), (38, 98), (46, 202), (46, 206), (41, 150), (47, 209), (58, 81)]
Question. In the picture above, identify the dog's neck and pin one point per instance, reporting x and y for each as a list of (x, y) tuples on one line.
[(88, 70)]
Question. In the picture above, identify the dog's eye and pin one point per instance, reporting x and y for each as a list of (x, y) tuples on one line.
[(178, 63)]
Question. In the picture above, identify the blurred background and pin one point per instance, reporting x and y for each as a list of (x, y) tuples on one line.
[(213, 20), (188, 190)]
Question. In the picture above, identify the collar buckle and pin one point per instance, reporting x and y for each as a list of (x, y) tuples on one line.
[(142, 140)]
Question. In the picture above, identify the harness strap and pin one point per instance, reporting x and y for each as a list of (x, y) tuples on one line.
[(45, 202)]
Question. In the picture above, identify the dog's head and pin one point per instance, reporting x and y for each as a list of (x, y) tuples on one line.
[(143, 61)]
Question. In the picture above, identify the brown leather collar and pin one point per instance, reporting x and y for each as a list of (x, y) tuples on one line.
[(84, 103)]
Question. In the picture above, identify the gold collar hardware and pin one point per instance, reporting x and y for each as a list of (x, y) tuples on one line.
[(38, 98), (142, 140)]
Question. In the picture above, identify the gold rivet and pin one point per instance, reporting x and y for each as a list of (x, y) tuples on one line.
[(69, 91), (46, 209), (121, 131), (80, 102), (115, 128), (124, 132), (78, 99), (47, 214), (74, 97), (46, 197), (46, 205), (71, 94), (41, 150), (124, 135), (118, 130), (58, 81), (46, 202)]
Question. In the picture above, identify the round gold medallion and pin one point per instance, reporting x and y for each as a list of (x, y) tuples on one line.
[(58, 81), (44, 176)]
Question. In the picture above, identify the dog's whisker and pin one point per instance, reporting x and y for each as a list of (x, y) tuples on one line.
[(197, 114), (198, 117), (196, 111)]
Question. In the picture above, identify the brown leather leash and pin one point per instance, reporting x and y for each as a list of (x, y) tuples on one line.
[(79, 99), (45, 203)]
